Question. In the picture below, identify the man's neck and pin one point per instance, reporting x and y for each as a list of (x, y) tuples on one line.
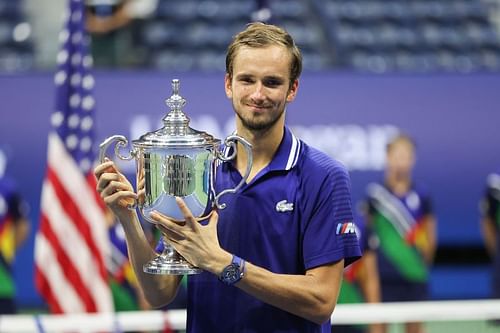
[(398, 185), (264, 147)]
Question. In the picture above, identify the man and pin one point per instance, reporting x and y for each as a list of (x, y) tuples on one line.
[(280, 245), (491, 228), (402, 219)]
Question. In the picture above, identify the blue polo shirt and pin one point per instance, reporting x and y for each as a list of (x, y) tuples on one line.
[(296, 214)]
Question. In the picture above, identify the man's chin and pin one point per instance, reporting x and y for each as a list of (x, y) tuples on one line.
[(255, 126), (259, 122)]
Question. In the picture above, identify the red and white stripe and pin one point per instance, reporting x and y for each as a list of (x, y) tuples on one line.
[(72, 243)]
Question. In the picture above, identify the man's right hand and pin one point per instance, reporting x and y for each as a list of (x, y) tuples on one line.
[(115, 189)]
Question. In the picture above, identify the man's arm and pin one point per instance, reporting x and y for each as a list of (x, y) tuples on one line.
[(489, 235), (312, 296), (21, 231), (489, 208), (116, 192), (370, 284), (429, 247)]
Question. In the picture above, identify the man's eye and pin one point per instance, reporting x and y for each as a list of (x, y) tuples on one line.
[(246, 80), (272, 83)]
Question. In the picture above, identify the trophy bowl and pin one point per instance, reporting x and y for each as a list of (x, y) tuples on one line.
[(176, 161)]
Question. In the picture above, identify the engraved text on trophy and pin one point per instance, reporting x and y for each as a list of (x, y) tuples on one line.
[(178, 175)]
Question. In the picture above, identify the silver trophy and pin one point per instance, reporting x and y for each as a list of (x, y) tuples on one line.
[(177, 161)]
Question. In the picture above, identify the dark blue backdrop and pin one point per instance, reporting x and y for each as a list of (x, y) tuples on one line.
[(454, 119)]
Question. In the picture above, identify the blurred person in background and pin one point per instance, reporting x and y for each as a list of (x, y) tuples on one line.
[(114, 26), (403, 222), (14, 230), (360, 283), (262, 12), (490, 225)]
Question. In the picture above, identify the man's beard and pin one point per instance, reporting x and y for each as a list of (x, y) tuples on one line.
[(260, 125)]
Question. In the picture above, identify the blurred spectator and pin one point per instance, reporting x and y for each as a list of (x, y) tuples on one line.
[(360, 282), (490, 224), (114, 26), (14, 229), (402, 220), (262, 12), (46, 22)]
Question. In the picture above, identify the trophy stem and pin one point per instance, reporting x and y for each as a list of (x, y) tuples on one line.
[(170, 262)]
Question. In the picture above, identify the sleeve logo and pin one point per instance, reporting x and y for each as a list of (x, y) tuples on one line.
[(346, 228)]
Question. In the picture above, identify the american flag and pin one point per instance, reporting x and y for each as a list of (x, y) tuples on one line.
[(72, 244)]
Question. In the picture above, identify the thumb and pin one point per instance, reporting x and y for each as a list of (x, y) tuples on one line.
[(214, 219)]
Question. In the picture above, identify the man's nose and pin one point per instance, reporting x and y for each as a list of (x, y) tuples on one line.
[(258, 92)]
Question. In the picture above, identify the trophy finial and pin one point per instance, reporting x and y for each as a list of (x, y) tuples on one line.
[(175, 86), (175, 102)]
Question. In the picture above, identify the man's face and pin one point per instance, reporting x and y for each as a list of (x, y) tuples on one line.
[(260, 86), (401, 159)]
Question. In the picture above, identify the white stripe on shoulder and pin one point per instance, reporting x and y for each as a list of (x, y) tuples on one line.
[(291, 156), (297, 153)]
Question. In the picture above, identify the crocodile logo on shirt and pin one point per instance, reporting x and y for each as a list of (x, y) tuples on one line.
[(284, 206)]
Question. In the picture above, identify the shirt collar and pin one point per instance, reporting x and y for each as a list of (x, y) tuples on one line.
[(286, 156)]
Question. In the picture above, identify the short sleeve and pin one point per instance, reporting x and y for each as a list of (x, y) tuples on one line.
[(330, 233), (489, 205), (427, 208), (18, 208)]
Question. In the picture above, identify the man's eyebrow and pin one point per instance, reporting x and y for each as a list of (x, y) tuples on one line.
[(243, 75), (274, 77)]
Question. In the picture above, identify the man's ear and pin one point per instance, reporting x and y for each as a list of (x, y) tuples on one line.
[(292, 92), (227, 86)]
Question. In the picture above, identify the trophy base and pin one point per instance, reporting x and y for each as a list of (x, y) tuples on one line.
[(162, 265)]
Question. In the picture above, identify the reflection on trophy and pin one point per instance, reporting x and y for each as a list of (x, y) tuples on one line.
[(177, 161)]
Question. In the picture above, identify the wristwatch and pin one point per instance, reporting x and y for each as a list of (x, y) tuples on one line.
[(233, 272)]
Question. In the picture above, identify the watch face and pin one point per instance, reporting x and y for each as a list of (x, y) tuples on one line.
[(231, 273)]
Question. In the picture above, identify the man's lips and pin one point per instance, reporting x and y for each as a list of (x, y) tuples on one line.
[(258, 107)]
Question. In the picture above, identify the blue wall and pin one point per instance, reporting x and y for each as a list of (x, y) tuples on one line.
[(454, 119)]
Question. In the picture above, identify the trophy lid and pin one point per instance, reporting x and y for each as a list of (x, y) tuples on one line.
[(176, 133)]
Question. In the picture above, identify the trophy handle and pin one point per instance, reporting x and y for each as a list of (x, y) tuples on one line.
[(121, 141), (231, 142)]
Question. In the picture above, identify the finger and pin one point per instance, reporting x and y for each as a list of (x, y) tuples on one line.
[(188, 216), (115, 186), (107, 166), (122, 198), (166, 223), (105, 179), (214, 218), (170, 235)]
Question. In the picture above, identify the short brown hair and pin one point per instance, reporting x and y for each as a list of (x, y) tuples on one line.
[(261, 35), (401, 137)]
